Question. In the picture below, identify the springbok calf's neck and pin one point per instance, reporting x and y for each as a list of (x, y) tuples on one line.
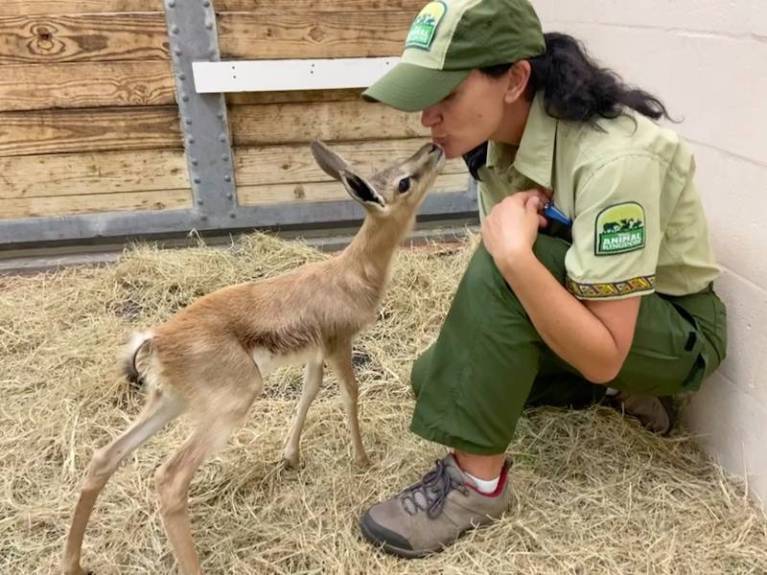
[(371, 251)]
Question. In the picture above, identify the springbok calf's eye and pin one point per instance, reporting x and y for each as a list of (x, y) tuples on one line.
[(404, 185)]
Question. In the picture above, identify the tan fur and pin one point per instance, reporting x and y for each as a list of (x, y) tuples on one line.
[(210, 358)]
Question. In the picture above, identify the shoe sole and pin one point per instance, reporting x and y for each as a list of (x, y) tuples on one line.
[(410, 553), (666, 401), (393, 549)]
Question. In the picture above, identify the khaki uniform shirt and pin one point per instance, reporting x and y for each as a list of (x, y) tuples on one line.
[(627, 185)]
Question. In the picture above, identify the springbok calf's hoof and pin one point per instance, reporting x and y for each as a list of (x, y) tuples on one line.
[(290, 461), (362, 461)]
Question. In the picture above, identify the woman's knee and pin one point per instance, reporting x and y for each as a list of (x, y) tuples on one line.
[(483, 274)]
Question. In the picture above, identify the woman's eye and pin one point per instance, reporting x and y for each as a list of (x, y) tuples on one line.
[(404, 185)]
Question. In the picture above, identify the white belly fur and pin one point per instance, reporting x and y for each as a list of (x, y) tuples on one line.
[(267, 362)]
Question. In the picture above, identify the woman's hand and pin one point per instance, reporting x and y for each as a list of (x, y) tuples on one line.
[(511, 228)]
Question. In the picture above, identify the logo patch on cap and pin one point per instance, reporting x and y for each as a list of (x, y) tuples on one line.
[(620, 229), (424, 27)]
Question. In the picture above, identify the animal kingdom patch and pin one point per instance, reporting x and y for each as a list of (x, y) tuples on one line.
[(425, 25), (620, 229)]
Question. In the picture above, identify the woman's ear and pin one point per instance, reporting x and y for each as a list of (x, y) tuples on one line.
[(519, 77)]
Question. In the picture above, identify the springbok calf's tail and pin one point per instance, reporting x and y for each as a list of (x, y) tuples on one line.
[(130, 354)]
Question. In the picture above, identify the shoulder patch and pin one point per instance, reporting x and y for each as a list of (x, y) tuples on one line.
[(619, 229), (425, 25)]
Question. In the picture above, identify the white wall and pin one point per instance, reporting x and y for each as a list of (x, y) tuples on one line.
[(707, 59)]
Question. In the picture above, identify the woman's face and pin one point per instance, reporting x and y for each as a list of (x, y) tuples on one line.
[(470, 115)]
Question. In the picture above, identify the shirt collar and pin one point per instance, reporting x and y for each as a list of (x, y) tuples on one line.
[(535, 155)]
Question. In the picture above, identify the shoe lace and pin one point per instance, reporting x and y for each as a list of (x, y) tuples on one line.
[(431, 492)]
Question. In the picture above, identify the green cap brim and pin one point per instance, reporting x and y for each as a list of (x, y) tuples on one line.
[(412, 88)]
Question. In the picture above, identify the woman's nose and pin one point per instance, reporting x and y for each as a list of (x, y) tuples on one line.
[(430, 117)]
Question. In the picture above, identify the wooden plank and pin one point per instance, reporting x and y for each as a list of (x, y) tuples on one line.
[(319, 5), (35, 7), (295, 164), (325, 191), (38, 87), (143, 36), (292, 34), (254, 98), (46, 7), (59, 131), (87, 204), (92, 173), (84, 38), (292, 123)]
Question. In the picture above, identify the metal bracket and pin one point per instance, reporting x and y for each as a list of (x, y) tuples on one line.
[(204, 124), (128, 226), (284, 75)]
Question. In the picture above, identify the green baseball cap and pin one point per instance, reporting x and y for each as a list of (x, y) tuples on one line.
[(450, 38)]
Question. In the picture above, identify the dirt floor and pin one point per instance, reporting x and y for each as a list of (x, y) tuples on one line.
[(594, 492)]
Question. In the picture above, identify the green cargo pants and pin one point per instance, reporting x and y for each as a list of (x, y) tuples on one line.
[(489, 362)]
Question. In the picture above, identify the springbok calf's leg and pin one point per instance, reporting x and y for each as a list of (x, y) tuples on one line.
[(159, 410), (216, 420), (173, 479), (341, 362), (311, 386)]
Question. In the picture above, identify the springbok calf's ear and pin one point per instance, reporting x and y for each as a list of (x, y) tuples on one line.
[(330, 162), (361, 190)]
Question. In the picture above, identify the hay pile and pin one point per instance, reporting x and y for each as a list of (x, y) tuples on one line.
[(595, 494)]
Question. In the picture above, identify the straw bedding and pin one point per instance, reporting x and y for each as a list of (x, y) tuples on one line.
[(594, 492)]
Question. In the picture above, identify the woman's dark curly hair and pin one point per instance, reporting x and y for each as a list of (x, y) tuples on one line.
[(576, 88)]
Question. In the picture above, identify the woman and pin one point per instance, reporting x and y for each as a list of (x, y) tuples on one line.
[(612, 299)]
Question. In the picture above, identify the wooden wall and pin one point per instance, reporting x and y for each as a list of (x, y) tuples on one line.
[(88, 120), (87, 115)]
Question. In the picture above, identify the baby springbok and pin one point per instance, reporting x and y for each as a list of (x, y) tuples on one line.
[(210, 358)]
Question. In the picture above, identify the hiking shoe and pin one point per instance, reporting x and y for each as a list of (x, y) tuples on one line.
[(433, 513), (656, 414)]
